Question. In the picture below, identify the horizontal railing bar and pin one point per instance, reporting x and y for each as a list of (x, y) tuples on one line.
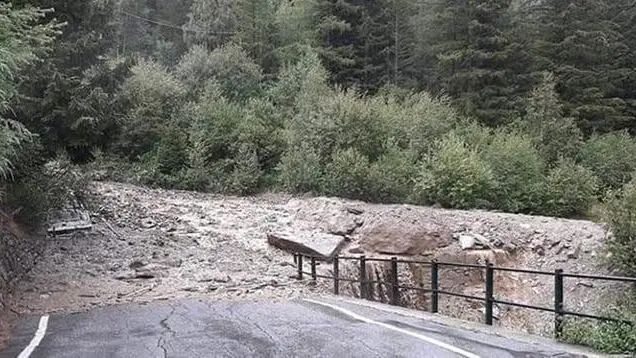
[(600, 318), (421, 289), (378, 259), (523, 305), (604, 278), (452, 264), (461, 295), (403, 261), (348, 279), (536, 272), (349, 258), (377, 281), (323, 276)]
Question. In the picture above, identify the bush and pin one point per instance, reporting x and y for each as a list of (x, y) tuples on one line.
[(239, 76), (607, 337), (155, 95), (517, 171), (612, 158), (300, 170), (246, 173), (172, 152), (454, 176), (553, 134), (569, 190), (347, 175), (392, 176), (621, 216)]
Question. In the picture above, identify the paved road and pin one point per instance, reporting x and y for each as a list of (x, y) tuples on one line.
[(325, 328)]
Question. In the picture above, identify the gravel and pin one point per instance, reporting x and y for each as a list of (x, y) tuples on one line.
[(151, 245)]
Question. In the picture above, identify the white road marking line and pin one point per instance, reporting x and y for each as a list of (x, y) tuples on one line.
[(39, 334), (433, 341)]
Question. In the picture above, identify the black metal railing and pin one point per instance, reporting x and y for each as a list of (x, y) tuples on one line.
[(489, 298)]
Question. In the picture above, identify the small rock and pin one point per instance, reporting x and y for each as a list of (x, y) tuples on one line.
[(190, 289), (356, 250), (148, 223), (354, 211), (466, 242), (136, 264), (574, 254)]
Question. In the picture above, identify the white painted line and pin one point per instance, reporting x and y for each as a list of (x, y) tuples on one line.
[(433, 341), (39, 334)]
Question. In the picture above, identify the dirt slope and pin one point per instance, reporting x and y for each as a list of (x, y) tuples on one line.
[(158, 244)]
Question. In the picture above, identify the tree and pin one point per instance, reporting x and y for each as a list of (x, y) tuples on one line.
[(24, 40), (479, 63), (581, 44), (50, 104)]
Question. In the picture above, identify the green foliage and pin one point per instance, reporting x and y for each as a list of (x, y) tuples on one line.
[(621, 216), (154, 95), (517, 171), (172, 155), (300, 170), (454, 175), (392, 176), (554, 135), (238, 75), (347, 175), (569, 190), (606, 337), (612, 158), (246, 173)]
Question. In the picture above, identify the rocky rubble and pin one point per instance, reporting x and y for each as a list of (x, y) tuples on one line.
[(162, 245)]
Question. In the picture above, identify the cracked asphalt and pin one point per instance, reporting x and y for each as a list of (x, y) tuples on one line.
[(296, 328)]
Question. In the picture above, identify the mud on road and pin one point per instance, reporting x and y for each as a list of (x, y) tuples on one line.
[(149, 245)]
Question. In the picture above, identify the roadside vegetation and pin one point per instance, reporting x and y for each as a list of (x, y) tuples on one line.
[(387, 101)]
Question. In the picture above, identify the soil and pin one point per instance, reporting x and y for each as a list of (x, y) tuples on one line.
[(149, 245)]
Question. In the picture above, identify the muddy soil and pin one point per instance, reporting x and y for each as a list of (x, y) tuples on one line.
[(151, 245)]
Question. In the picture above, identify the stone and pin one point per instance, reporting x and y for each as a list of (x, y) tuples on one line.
[(354, 211), (467, 242), (342, 224), (395, 237), (356, 250), (148, 223), (574, 254), (323, 246)]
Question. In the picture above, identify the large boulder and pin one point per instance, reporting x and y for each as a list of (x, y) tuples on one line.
[(321, 245), (404, 238)]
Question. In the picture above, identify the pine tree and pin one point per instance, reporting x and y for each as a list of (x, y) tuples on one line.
[(580, 42)]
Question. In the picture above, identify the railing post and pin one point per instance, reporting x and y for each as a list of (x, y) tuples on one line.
[(336, 280), (313, 269), (395, 289), (489, 292), (558, 302), (363, 274), (434, 286), (300, 266)]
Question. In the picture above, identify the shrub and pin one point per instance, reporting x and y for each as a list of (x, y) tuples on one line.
[(172, 154), (154, 94), (246, 173), (392, 176), (612, 158), (300, 170), (553, 134), (347, 175), (607, 337), (238, 75), (569, 190), (454, 176), (517, 171), (621, 216)]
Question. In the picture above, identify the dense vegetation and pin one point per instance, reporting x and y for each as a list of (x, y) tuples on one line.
[(515, 105)]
